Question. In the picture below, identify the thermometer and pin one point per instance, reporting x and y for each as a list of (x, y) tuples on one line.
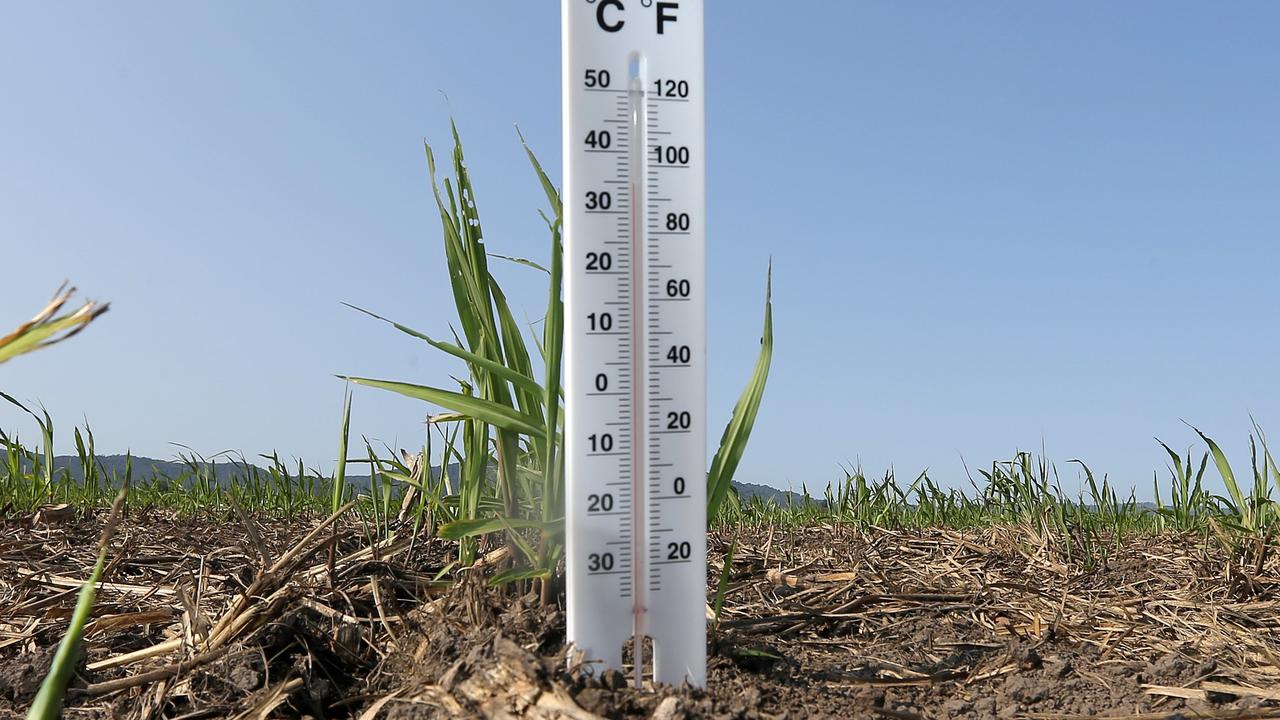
[(635, 340)]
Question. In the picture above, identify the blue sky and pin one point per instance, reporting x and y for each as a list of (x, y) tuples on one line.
[(995, 226)]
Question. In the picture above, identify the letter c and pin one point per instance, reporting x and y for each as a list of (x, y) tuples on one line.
[(605, 24)]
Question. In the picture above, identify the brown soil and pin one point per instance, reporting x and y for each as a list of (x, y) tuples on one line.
[(301, 619)]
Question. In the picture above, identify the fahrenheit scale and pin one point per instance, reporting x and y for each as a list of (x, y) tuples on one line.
[(635, 320)]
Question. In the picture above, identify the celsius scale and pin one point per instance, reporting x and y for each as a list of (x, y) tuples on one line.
[(635, 318)]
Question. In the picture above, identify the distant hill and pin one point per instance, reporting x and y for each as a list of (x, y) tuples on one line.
[(146, 469), (746, 491)]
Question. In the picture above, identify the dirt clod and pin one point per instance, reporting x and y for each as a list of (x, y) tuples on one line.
[(20, 678)]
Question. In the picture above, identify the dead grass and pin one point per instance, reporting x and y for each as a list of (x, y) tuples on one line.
[(207, 619)]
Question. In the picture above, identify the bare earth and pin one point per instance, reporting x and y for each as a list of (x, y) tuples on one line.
[(201, 619)]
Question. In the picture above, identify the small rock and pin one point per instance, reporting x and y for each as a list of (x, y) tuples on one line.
[(1029, 659), (1170, 666), (1219, 698), (55, 514), (452, 675), (668, 709), (20, 680), (245, 678), (613, 679), (591, 699), (349, 638), (319, 689)]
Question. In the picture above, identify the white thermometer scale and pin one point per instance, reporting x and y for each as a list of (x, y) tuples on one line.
[(635, 320)]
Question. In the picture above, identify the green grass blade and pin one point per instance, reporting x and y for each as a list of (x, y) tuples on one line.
[(553, 195), (486, 411), (48, 327), (483, 526), (517, 354), (521, 381), (517, 574), (734, 441), (48, 701), (460, 281), (340, 470), (520, 261), (553, 352), (1241, 505)]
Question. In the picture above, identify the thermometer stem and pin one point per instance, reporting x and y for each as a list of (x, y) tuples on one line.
[(639, 414)]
